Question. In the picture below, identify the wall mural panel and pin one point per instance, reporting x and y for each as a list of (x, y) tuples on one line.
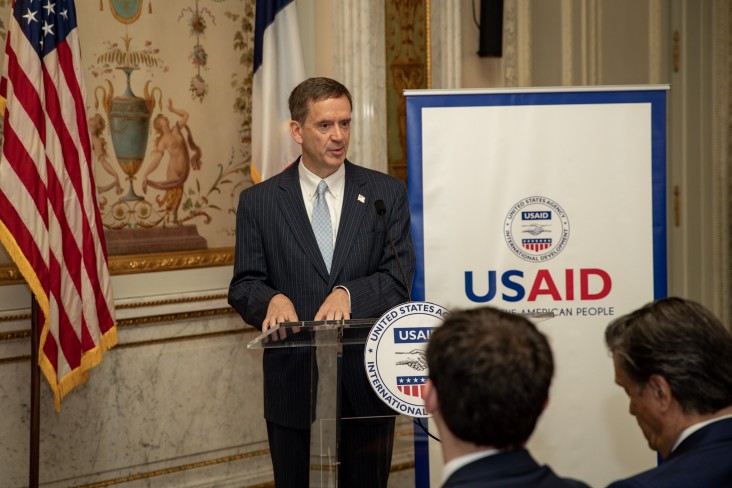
[(168, 102)]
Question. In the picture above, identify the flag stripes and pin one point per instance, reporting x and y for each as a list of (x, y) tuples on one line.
[(49, 218)]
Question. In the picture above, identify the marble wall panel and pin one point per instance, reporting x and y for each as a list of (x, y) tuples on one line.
[(178, 402)]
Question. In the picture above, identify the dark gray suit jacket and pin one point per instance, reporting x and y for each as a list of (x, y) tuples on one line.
[(702, 459), (512, 468), (276, 252)]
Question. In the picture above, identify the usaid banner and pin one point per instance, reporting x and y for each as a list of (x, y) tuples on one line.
[(547, 200)]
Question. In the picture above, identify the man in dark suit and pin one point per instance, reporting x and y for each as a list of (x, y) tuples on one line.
[(673, 358), (343, 267), (489, 378)]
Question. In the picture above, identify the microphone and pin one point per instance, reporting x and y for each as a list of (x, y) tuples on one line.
[(381, 211)]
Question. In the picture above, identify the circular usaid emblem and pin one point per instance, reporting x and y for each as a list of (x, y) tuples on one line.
[(536, 229), (396, 355)]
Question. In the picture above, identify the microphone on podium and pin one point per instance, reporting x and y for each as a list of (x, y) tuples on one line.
[(381, 211)]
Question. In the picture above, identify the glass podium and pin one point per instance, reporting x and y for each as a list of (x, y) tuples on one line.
[(338, 347), (330, 341)]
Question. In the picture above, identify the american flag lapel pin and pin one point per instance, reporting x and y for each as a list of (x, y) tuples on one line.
[(361, 198)]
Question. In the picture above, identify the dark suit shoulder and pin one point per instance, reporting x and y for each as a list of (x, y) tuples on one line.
[(371, 175), (702, 459), (512, 468)]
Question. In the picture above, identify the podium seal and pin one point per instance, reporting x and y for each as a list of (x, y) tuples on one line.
[(395, 355)]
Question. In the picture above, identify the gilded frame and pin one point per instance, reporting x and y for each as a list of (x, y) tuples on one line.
[(145, 263)]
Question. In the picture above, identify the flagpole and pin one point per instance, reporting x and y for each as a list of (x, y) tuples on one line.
[(35, 413)]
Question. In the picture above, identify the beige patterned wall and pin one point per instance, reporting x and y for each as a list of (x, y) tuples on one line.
[(168, 104)]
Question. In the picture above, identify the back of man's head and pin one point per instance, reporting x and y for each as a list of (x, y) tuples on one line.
[(491, 371), (684, 343)]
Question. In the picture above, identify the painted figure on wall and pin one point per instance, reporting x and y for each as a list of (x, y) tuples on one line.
[(170, 139), (99, 149)]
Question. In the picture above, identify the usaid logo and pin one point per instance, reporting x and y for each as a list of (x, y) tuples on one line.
[(395, 356), (536, 229)]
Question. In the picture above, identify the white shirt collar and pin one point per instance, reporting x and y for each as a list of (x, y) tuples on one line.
[(693, 428), (309, 181), (457, 463)]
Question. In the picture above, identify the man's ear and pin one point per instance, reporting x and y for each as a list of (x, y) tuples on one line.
[(546, 403), (660, 390), (296, 131), (429, 395)]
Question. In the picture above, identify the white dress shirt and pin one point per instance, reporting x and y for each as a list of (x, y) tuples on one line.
[(334, 196)]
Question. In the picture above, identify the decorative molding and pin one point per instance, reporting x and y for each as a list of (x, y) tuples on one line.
[(590, 51), (169, 261), (721, 136), (145, 263), (176, 469), (395, 468), (510, 46), (174, 317), (517, 43), (406, 69), (596, 40), (567, 14), (428, 42), (133, 305), (157, 319), (445, 50), (655, 41), (525, 51), (171, 301)]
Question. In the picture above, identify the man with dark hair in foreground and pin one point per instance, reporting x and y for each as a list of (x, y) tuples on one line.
[(673, 358), (489, 378)]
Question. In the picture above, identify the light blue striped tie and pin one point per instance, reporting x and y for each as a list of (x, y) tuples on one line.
[(321, 225)]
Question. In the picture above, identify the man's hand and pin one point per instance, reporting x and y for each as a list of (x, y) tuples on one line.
[(280, 309), (336, 306)]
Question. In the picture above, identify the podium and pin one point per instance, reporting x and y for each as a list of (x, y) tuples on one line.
[(329, 340), (338, 347)]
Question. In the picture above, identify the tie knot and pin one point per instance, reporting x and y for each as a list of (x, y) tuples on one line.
[(322, 188)]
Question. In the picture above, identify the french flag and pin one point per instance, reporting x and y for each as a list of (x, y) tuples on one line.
[(278, 68)]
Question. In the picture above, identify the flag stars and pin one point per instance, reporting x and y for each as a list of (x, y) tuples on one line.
[(65, 14), (30, 16), (416, 380), (50, 8), (47, 28)]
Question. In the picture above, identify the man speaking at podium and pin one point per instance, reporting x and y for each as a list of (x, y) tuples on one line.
[(312, 243)]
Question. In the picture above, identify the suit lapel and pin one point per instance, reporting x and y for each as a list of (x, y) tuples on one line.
[(292, 205), (352, 216)]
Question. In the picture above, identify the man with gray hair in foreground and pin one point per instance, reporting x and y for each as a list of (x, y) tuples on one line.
[(489, 378), (673, 358)]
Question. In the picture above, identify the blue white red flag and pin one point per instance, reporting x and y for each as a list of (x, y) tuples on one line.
[(278, 68), (49, 217)]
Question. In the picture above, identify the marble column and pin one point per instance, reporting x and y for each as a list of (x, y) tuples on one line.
[(445, 38), (359, 62)]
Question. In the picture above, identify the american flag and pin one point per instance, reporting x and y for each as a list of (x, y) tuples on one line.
[(49, 217)]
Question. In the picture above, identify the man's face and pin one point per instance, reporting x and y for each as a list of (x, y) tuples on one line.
[(325, 135), (647, 410)]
